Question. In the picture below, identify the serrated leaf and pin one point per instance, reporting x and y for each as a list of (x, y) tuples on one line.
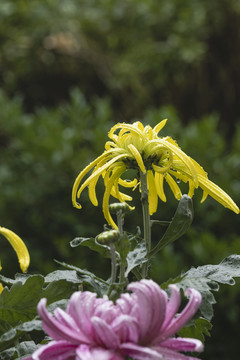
[(206, 279), (86, 277), (103, 250), (20, 301), (7, 354), (25, 348), (136, 257), (27, 326), (179, 225), (68, 275), (197, 329), (123, 247)]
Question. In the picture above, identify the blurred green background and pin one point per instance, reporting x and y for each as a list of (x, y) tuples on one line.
[(68, 71)]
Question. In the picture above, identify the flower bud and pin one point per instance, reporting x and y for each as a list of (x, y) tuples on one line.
[(115, 207), (108, 237)]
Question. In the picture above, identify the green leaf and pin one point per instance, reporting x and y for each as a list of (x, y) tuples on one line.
[(136, 257), (103, 250), (20, 301), (7, 354), (27, 326), (196, 329), (25, 348), (88, 278), (68, 275), (206, 279), (179, 225), (123, 247)]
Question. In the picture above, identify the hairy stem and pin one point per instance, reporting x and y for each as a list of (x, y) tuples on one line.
[(146, 219), (120, 220), (113, 268)]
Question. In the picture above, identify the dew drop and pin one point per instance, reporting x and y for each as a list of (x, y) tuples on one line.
[(178, 181)]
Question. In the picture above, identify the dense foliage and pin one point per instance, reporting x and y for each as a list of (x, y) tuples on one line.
[(68, 72)]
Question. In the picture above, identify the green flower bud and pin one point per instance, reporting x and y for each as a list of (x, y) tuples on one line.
[(108, 237), (115, 207)]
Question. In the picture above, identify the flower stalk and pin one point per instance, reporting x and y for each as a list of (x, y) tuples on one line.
[(146, 219), (113, 268), (120, 220)]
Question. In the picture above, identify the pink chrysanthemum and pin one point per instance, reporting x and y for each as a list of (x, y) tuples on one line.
[(142, 325)]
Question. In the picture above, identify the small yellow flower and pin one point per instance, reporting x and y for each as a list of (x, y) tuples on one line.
[(133, 146), (19, 247)]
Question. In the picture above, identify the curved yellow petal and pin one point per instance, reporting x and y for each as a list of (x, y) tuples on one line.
[(99, 172), (125, 127), (205, 195), (1, 288), (166, 167), (127, 183), (19, 247), (137, 157), (159, 186), (173, 186), (117, 172), (181, 155), (159, 126), (152, 193), (217, 193), (83, 173)]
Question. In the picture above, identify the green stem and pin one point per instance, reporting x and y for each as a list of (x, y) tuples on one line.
[(122, 264), (146, 219), (113, 268)]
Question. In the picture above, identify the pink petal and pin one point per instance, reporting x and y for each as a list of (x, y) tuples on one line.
[(125, 303), (55, 328), (151, 302), (68, 321), (172, 305), (103, 334), (187, 313), (106, 310), (126, 327), (85, 353), (183, 344), (172, 355), (81, 308), (141, 353), (55, 350)]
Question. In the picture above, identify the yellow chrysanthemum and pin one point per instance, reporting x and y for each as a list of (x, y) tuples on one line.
[(19, 247), (133, 146)]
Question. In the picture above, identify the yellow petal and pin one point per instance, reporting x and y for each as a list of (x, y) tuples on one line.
[(137, 157), (19, 247), (173, 186), (152, 193), (92, 191), (164, 169), (217, 193), (99, 172), (83, 173), (159, 126), (191, 188), (117, 172), (1, 288), (181, 155), (139, 125), (125, 127), (205, 195), (127, 183), (159, 186)]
